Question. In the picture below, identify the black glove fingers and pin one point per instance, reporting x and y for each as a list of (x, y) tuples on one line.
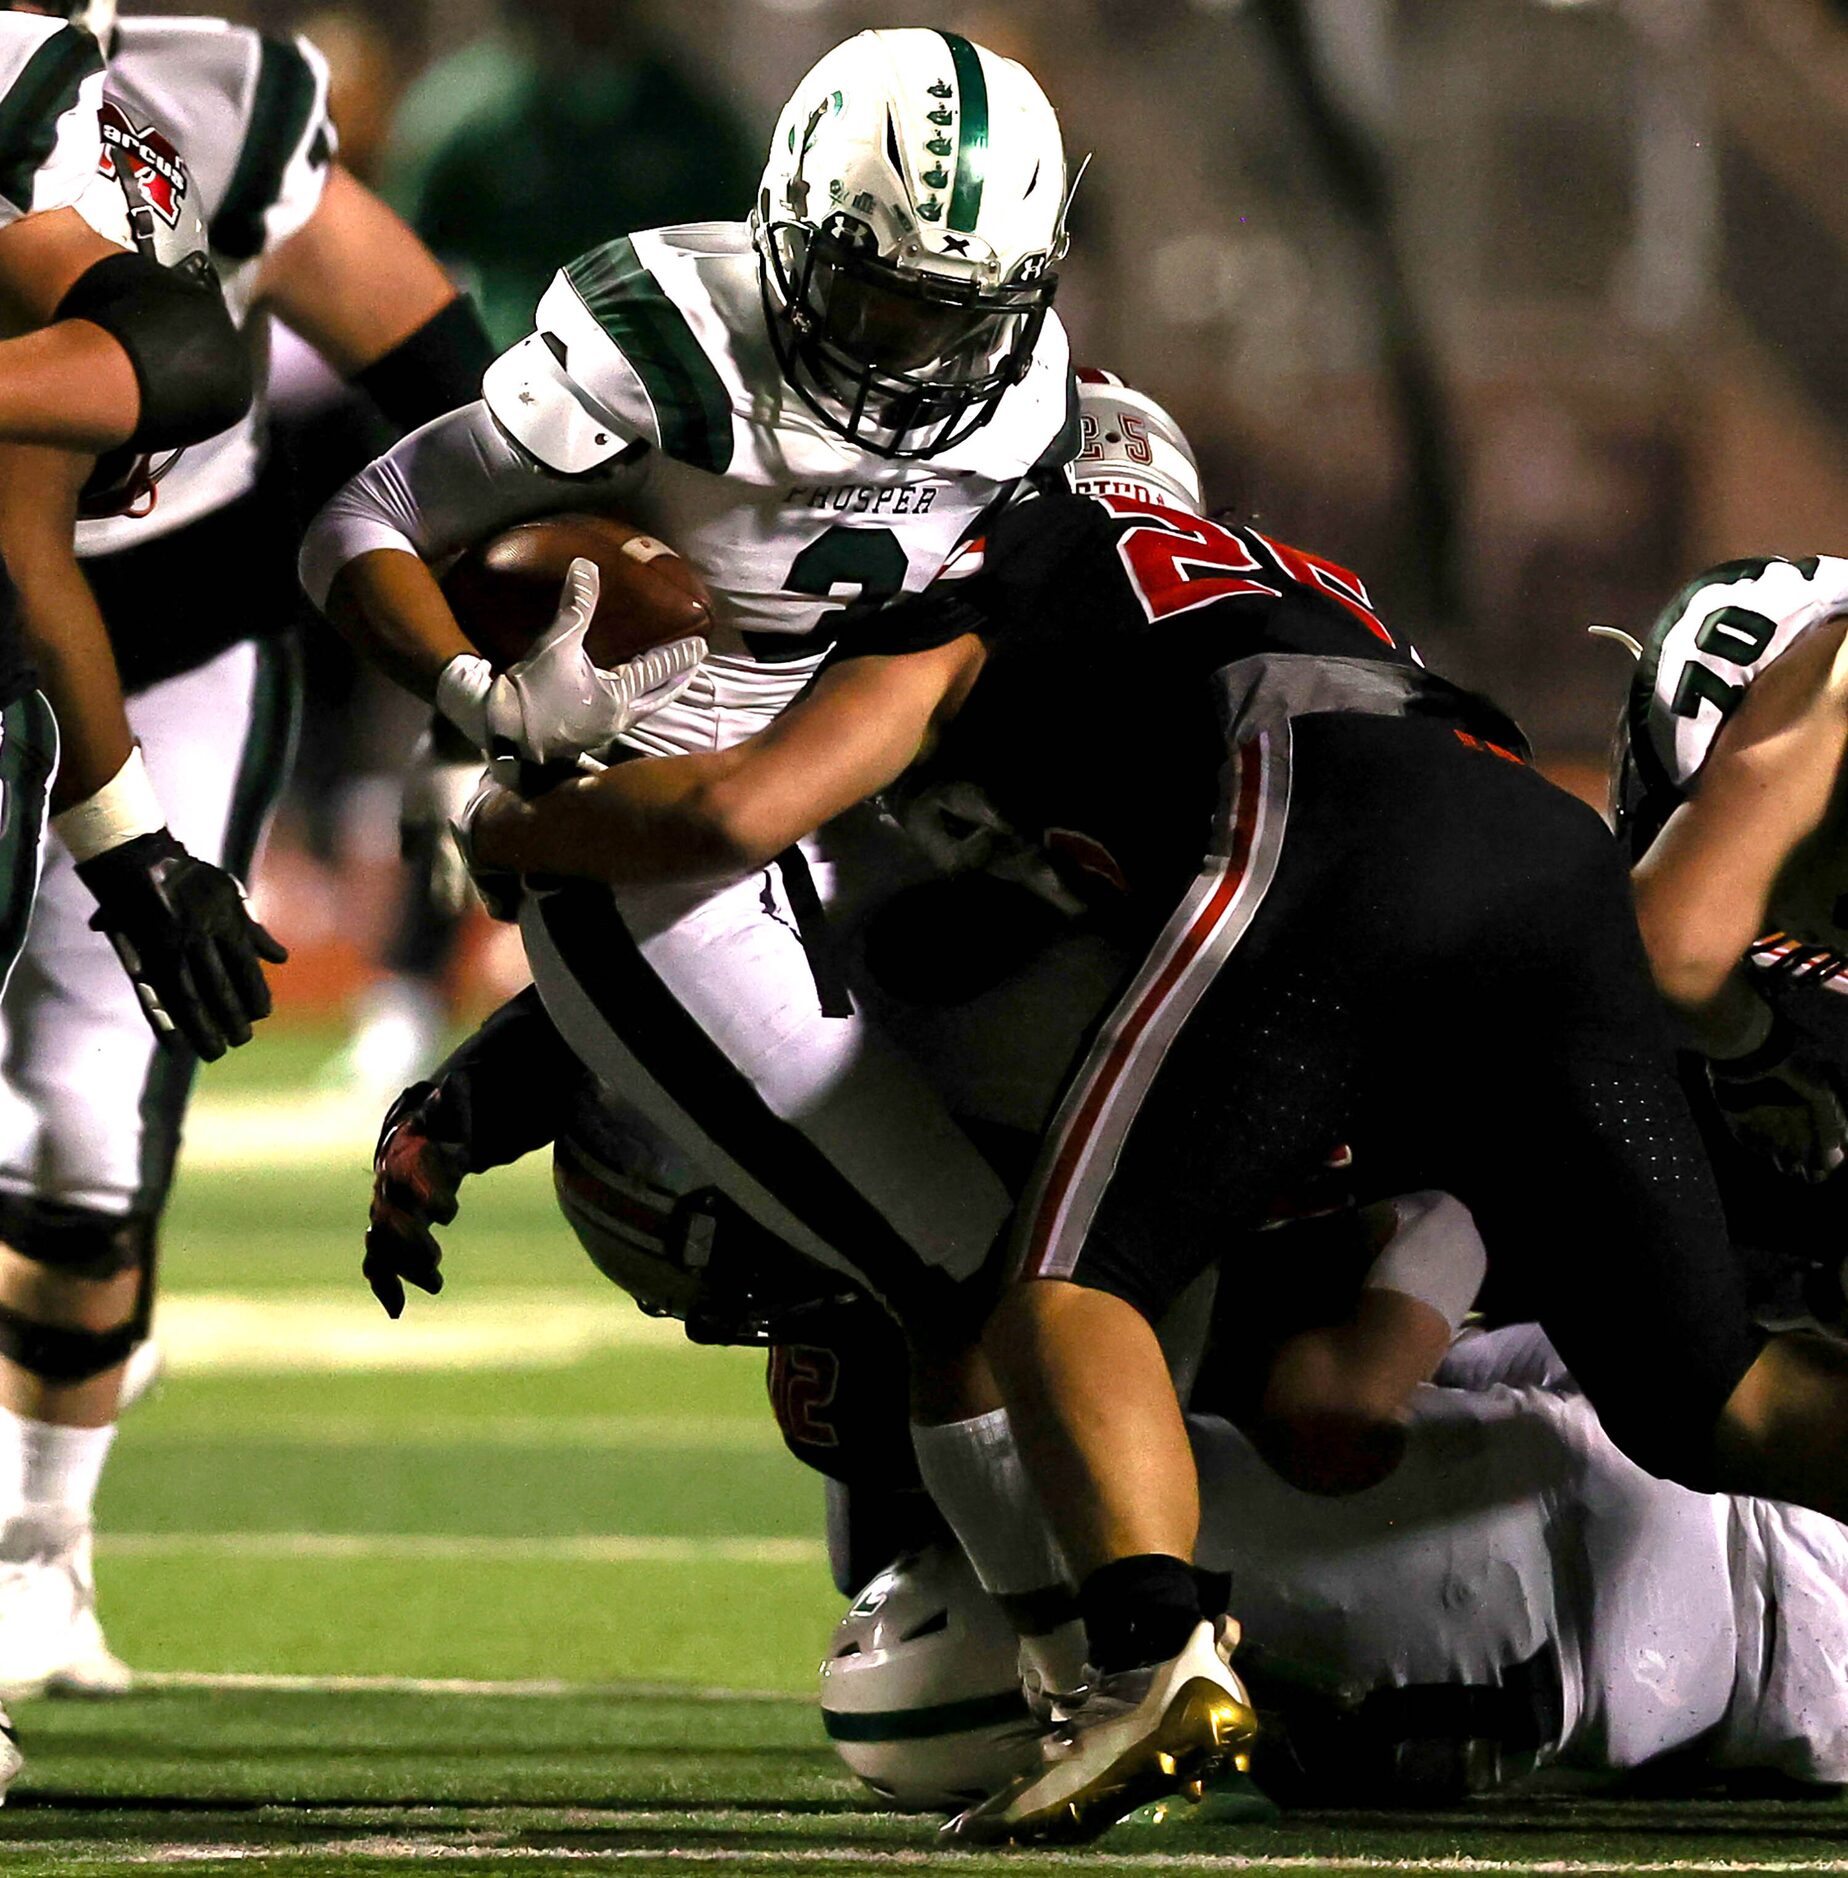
[(268, 946), (193, 1020), (217, 993), (246, 973)]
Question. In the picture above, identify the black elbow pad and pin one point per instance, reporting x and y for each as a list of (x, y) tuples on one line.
[(191, 363)]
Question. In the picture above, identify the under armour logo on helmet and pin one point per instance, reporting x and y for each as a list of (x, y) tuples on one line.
[(848, 231), (1031, 268)]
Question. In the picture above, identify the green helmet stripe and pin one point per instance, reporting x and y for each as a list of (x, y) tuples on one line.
[(971, 135), (690, 402), (921, 1724)]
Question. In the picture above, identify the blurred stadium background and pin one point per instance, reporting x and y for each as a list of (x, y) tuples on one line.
[(1524, 309)]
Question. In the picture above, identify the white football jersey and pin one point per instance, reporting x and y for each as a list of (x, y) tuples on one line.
[(652, 353), (51, 88), (1718, 635), (1515, 1530), (248, 115)]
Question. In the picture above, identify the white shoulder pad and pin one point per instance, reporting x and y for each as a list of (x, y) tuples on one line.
[(51, 87), (539, 394), (537, 405)]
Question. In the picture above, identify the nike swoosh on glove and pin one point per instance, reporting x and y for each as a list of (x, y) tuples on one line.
[(556, 706), (185, 937)]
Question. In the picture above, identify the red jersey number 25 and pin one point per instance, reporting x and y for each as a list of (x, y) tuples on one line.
[(1177, 562)]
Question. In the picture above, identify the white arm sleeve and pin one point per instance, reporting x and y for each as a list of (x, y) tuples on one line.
[(458, 480)]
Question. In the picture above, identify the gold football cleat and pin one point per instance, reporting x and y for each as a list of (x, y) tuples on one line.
[(1125, 1747)]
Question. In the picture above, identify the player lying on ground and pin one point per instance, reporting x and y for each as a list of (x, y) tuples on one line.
[(1729, 798), (1518, 1594), (193, 595), (1437, 908), (819, 405)]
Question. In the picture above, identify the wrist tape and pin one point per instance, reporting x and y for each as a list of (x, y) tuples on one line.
[(125, 806), (1435, 1255), (462, 696)]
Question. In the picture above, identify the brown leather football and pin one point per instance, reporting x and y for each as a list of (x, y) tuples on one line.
[(506, 591)]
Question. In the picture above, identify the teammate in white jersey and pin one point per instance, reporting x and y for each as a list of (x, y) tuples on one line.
[(1517, 1594), (1729, 796), (195, 592), (815, 407)]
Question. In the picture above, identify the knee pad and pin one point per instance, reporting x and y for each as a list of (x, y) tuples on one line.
[(55, 1354), (78, 1241)]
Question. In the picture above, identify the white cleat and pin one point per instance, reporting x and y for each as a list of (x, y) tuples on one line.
[(1137, 1736), (50, 1640)]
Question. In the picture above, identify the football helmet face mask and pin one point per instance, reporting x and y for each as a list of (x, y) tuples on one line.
[(1130, 446), (908, 228)]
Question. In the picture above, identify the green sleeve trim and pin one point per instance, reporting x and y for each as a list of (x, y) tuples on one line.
[(971, 135), (29, 113), (280, 111), (692, 408)]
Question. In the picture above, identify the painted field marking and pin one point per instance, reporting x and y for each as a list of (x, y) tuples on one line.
[(278, 1332), (531, 1688), (612, 1548), (447, 1850), (755, 1434)]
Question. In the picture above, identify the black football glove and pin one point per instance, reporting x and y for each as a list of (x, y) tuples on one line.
[(417, 1168), (187, 940)]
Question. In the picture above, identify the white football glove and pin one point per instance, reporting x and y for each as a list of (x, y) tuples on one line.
[(436, 790), (498, 888), (555, 706), (1790, 1111)]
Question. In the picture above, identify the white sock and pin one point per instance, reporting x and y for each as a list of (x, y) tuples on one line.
[(50, 1469), (973, 1471)]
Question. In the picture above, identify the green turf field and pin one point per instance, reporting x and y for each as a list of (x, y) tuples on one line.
[(326, 1532)]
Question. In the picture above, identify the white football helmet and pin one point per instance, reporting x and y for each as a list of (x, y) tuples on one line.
[(920, 1691), (1130, 446), (908, 229)]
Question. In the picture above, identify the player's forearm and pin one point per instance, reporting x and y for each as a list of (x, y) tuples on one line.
[(1704, 889), (388, 606), (59, 619), (69, 386), (642, 823)]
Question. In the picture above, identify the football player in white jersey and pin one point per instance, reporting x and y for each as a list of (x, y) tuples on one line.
[(192, 588), (814, 407), (1517, 1594), (1729, 796)]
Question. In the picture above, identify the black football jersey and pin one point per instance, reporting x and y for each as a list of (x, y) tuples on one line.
[(1097, 726)]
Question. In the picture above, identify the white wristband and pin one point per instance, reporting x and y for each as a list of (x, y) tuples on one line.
[(125, 806), (1435, 1255), (462, 696)]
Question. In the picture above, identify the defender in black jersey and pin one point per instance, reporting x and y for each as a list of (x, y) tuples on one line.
[(1363, 920)]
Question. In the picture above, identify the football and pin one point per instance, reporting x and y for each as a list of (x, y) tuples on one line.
[(505, 591)]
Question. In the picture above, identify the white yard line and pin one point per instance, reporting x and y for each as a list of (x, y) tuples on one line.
[(531, 1688), (277, 1332), (386, 1849), (612, 1548), (756, 1434)]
